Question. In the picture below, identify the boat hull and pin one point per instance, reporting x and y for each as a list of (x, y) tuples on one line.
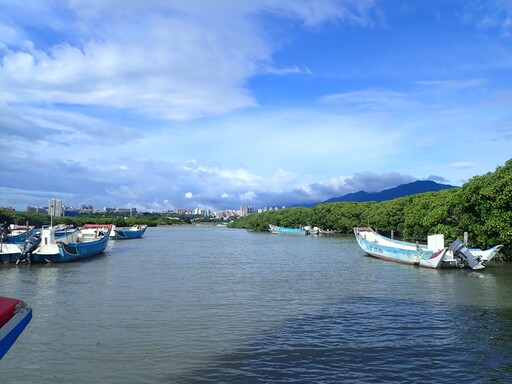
[(71, 246), (9, 253), (14, 317), (393, 252), (293, 231), (432, 255), (135, 232), (62, 252)]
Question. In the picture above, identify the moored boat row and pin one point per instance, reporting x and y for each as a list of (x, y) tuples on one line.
[(65, 244)]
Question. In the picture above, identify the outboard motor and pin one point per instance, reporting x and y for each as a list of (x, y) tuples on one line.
[(464, 256), (4, 232), (28, 247)]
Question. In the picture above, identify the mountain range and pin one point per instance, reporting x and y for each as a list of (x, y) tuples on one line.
[(418, 186)]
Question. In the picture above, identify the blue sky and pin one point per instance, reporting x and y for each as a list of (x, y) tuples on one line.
[(161, 104)]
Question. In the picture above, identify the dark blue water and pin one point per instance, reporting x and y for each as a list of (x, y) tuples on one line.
[(369, 340), (214, 305)]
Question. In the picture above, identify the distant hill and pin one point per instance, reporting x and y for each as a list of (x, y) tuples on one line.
[(419, 186)]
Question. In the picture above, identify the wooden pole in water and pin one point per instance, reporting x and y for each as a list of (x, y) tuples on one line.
[(392, 234)]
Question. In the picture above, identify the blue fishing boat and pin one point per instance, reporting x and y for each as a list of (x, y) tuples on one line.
[(43, 247), (62, 230), (14, 317), (434, 254), (125, 233), (307, 230), (121, 233), (15, 234)]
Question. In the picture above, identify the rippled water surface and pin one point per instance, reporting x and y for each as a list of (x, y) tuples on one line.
[(216, 305)]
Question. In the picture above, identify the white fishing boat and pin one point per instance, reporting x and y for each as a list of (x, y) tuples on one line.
[(43, 247), (434, 254)]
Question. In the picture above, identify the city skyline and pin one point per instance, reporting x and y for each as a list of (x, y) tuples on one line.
[(56, 207), (157, 105)]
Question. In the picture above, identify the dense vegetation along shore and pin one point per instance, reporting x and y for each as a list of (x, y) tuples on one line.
[(40, 219), (482, 207)]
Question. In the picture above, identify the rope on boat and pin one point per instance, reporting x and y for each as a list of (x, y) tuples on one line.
[(422, 257)]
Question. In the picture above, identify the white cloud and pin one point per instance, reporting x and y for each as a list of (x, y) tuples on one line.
[(463, 164), (372, 99), (490, 14), (453, 84), (247, 196), (189, 195), (287, 71), (171, 60), (123, 191)]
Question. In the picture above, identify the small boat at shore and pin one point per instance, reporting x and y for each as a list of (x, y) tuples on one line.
[(434, 254), (125, 233), (307, 230), (121, 233), (14, 317)]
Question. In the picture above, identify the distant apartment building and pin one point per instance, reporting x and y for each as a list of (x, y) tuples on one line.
[(202, 212), (224, 215), (127, 211), (267, 209), (182, 211), (5, 208), (107, 210), (246, 210), (55, 207)]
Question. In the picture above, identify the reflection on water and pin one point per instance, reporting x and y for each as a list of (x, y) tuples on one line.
[(210, 304), (364, 339)]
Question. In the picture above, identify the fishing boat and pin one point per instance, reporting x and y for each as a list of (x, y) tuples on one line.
[(63, 230), (14, 317), (434, 254), (307, 230), (9, 253), (15, 234), (121, 233), (43, 247), (125, 233)]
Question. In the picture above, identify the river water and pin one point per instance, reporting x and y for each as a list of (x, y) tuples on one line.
[(218, 305)]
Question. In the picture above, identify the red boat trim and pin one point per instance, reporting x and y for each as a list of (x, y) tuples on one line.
[(7, 309)]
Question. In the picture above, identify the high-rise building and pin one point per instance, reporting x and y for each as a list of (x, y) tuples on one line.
[(202, 212), (245, 211), (55, 207)]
